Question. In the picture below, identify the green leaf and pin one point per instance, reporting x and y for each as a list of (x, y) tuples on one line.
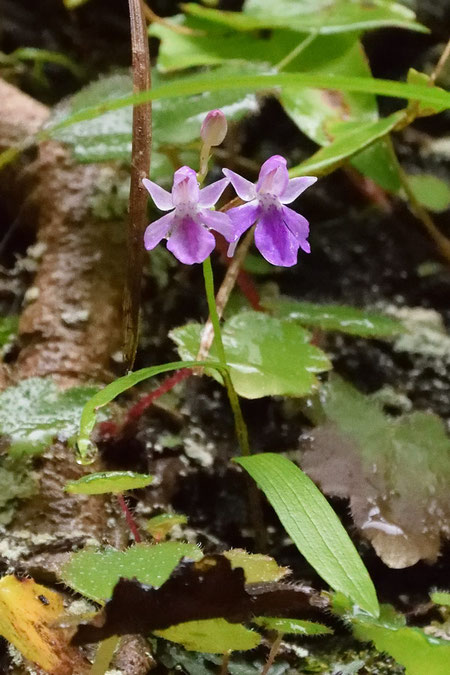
[(266, 356), (430, 191), (347, 143), (211, 636), (336, 318), (411, 647), (292, 626), (415, 107), (175, 122), (441, 598), (376, 162), (394, 470), (307, 16), (34, 412), (160, 526), (8, 328), (258, 568), (108, 481), (95, 573), (313, 526), (111, 391)]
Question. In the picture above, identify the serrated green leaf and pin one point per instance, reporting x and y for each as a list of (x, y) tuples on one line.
[(441, 598), (313, 526), (108, 481), (211, 636), (430, 191), (394, 470), (336, 318), (292, 626), (258, 568), (34, 412), (307, 15), (266, 356), (95, 573)]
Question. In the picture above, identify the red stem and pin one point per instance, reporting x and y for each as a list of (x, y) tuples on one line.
[(129, 518)]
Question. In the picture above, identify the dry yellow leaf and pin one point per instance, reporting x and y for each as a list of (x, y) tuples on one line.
[(28, 612)]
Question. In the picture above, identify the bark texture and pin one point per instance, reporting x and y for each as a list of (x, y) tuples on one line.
[(70, 329)]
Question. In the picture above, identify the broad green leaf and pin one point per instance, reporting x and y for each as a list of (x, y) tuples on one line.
[(357, 137), (394, 470), (292, 626), (160, 526), (258, 568), (8, 328), (34, 412), (95, 573), (313, 526), (108, 481), (376, 162), (411, 647), (175, 122), (420, 110), (310, 15), (431, 191), (441, 598), (266, 356), (111, 391), (336, 318), (211, 636)]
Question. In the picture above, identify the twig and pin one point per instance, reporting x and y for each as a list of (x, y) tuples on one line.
[(223, 295), (181, 30), (140, 168), (272, 654), (224, 664), (441, 241), (440, 64), (129, 518)]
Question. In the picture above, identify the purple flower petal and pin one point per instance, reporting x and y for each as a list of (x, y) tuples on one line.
[(161, 197), (298, 225), (190, 242), (157, 230), (218, 221), (243, 187), (273, 177), (185, 186), (242, 217), (211, 194), (295, 188), (275, 241)]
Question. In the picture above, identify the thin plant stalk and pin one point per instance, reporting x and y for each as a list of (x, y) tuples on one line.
[(254, 499), (272, 654), (140, 168), (129, 518), (297, 50)]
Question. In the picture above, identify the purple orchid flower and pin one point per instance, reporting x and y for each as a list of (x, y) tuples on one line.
[(187, 226), (280, 231)]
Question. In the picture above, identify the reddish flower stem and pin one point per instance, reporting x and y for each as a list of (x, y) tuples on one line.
[(168, 383), (129, 518)]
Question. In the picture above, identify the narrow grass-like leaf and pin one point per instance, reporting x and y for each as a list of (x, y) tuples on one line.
[(111, 391), (107, 482), (313, 526), (346, 144)]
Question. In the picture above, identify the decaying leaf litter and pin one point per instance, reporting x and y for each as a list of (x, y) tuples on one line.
[(368, 253)]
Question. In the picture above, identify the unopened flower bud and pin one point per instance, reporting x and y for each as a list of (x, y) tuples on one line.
[(214, 128)]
